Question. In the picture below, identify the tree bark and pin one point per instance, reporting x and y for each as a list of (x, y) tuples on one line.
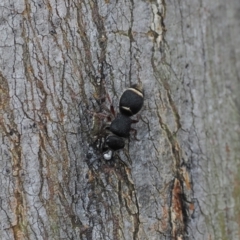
[(59, 60)]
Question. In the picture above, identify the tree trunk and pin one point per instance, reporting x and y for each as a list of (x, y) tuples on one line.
[(59, 62)]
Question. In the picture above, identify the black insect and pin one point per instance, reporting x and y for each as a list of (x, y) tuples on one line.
[(130, 104)]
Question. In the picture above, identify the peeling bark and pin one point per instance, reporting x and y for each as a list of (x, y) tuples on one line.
[(60, 60)]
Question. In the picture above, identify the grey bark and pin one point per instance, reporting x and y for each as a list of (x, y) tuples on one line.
[(180, 180)]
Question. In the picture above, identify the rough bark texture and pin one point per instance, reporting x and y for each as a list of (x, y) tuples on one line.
[(57, 61)]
